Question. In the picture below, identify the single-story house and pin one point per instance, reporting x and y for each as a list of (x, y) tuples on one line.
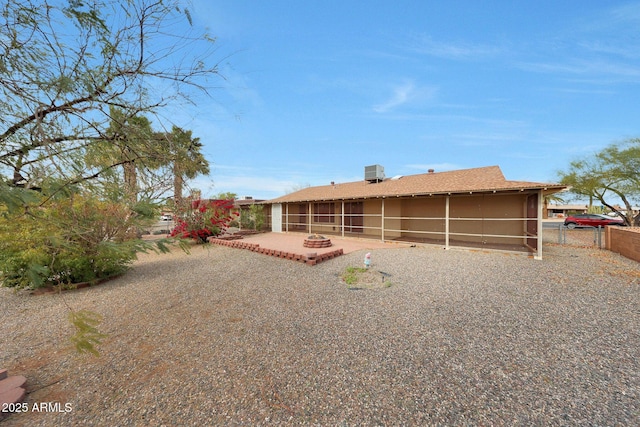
[(561, 211), (242, 207), (468, 208)]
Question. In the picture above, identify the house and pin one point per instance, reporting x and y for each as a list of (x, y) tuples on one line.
[(467, 208), (247, 218), (561, 211)]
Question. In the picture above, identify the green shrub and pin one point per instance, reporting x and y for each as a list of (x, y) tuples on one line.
[(253, 218), (73, 240), (351, 274)]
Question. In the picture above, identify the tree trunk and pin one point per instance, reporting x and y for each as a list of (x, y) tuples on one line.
[(178, 182), (130, 182)]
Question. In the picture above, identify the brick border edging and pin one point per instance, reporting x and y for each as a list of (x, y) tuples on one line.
[(310, 258)]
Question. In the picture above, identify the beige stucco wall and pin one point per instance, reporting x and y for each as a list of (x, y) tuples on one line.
[(372, 220), (488, 206), (424, 218), (392, 221)]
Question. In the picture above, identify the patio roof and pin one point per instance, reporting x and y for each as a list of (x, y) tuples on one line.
[(484, 179)]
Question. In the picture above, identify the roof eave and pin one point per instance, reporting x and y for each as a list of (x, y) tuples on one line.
[(550, 188)]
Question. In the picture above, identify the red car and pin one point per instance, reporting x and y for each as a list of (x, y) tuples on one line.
[(591, 220)]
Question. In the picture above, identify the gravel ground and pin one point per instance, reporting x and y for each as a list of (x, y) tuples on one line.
[(230, 337)]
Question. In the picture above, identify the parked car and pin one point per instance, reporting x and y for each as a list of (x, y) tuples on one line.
[(591, 220), (166, 217)]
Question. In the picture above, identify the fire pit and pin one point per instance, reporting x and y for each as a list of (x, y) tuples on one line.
[(316, 241)]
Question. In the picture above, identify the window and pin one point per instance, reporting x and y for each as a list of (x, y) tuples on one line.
[(323, 212)]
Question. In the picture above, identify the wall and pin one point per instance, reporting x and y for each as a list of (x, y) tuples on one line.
[(415, 212), (501, 207), (392, 221), (624, 240), (372, 218)]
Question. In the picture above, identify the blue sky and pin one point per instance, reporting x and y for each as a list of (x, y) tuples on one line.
[(317, 90)]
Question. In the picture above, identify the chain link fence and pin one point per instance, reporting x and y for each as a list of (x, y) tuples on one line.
[(584, 236)]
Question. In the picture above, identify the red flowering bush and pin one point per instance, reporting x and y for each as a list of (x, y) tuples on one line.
[(199, 219)]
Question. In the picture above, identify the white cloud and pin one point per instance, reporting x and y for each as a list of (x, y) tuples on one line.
[(258, 186), (583, 67), (424, 44), (404, 94), (626, 13)]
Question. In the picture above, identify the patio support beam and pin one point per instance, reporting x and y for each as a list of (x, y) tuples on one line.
[(382, 220), (446, 222), (539, 226), (342, 219), (286, 217), (310, 216)]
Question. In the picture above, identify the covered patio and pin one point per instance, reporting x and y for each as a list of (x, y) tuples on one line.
[(468, 208)]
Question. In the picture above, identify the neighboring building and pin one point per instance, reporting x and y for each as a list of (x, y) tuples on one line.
[(244, 202), (469, 208), (242, 206), (561, 211), (635, 210)]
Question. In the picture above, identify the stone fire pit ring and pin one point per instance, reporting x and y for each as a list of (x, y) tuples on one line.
[(317, 241)]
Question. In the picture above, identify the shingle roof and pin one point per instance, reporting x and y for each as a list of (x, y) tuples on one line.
[(460, 181)]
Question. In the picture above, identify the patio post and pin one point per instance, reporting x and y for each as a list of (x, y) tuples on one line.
[(446, 223), (342, 219), (539, 223), (382, 220)]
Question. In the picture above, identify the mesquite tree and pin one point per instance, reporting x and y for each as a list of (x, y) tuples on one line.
[(611, 174), (78, 80), (64, 67)]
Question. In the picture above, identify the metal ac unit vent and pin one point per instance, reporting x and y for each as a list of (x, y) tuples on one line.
[(374, 173)]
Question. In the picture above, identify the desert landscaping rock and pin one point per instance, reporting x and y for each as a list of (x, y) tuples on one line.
[(228, 336)]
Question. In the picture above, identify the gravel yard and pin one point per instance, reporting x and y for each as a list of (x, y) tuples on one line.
[(230, 337)]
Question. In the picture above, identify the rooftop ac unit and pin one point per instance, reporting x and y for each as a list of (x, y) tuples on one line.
[(374, 173)]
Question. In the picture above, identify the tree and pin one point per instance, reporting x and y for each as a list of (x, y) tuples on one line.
[(130, 143), (63, 68), (613, 173), (253, 217), (227, 195), (75, 77), (186, 158)]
